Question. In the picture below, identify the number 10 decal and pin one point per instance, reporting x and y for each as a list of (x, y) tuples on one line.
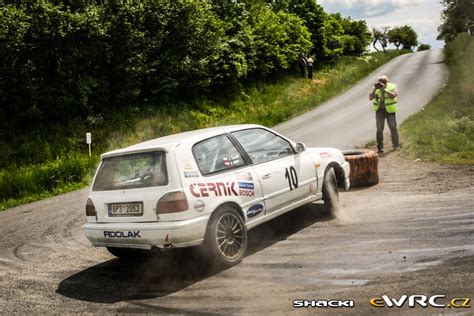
[(292, 177)]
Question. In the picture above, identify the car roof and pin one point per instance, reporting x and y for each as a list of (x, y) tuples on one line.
[(170, 141)]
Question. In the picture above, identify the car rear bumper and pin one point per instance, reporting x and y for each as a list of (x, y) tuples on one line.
[(146, 235)]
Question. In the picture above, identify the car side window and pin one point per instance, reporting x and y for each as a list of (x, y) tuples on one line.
[(262, 145), (217, 154)]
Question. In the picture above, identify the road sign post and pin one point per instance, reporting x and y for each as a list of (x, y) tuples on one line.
[(89, 141)]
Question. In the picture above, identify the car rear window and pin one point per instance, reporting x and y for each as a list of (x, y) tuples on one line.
[(132, 171)]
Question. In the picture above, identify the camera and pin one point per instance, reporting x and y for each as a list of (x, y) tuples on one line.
[(378, 85)]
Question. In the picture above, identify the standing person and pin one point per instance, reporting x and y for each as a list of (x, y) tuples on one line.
[(384, 98), (302, 65), (310, 62)]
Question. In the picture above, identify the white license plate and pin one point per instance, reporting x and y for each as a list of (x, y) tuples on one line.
[(126, 209)]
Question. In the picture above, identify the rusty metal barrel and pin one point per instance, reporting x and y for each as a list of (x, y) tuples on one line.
[(364, 167)]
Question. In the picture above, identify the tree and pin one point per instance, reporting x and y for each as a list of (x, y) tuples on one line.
[(355, 36), (238, 39), (424, 47), (334, 35), (280, 38), (361, 36), (404, 36), (313, 17), (456, 18), (380, 36)]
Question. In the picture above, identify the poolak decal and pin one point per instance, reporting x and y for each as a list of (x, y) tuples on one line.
[(122, 234)]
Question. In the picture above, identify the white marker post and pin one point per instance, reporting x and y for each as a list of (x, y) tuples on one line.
[(89, 141)]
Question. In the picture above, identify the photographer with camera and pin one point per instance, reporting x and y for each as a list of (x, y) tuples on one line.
[(384, 100)]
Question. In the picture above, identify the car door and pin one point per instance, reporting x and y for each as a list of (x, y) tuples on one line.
[(226, 177), (285, 177)]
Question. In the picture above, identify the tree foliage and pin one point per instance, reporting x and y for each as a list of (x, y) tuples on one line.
[(404, 36), (313, 16), (73, 61), (279, 39), (380, 36), (401, 36), (352, 36), (422, 47), (457, 17)]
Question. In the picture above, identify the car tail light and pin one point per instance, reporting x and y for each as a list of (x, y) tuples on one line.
[(172, 203), (90, 208)]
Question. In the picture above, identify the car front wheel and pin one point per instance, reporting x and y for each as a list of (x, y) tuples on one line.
[(330, 192), (226, 239)]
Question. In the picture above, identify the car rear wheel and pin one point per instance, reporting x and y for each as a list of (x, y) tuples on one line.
[(127, 253), (330, 192), (226, 239)]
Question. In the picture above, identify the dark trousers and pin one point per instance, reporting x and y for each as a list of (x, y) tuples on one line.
[(310, 72), (302, 71), (380, 117)]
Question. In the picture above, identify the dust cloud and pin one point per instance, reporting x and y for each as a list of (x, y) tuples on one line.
[(341, 214)]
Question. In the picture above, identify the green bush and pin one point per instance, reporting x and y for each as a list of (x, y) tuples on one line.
[(422, 47), (18, 182)]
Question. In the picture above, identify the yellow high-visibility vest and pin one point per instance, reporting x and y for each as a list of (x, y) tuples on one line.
[(391, 105)]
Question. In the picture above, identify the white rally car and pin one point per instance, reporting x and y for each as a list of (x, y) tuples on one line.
[(206, 187)]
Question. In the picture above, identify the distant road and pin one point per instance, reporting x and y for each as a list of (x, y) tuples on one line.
[(348, 119)]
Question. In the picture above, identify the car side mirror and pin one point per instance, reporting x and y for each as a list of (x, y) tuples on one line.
[(300, 147)]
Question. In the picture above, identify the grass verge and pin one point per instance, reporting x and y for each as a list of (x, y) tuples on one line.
[(262, 103), (20, 185), (444, 130)]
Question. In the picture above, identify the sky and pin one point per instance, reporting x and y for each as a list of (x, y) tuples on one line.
[(422, 15)]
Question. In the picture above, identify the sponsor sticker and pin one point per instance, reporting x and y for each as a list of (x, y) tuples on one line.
[(227, 162), (187, 165), (324, 154), (254, 210), (191, 174), (231, 161), (213, 189), (246, 185), (246, 189), (122, 234), (243, 192), (246, 176)]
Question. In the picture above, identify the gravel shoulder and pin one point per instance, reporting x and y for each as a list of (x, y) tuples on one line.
[(411, 234)]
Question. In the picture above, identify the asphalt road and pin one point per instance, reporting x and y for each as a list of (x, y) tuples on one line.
[(348, 119), (411, 234)]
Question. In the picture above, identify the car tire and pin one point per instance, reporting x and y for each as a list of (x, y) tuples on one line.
[(226, 237), (330, 192), (127, 253), (364, 167)]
